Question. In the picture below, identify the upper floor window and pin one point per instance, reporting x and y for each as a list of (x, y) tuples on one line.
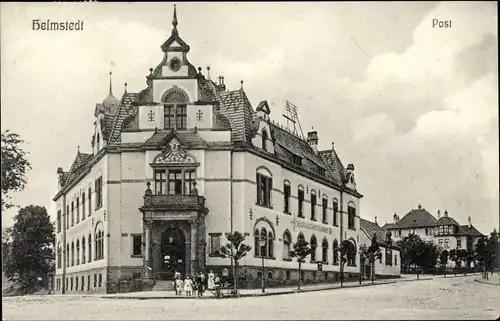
[(137, 245), (264, 187), (335, 213), (296, 160), (98, 193), (72, 253), (446, 243), (325, 209), (426, 231), (99, 242), (399, 232), (181, 117), (351, 217), (313, 205), (67, 216), (174, 181), (83, 206), (160, 181), (264, 140), (83, 250), (78, 252), (441, 230), (169, 117), (89, 240), (286, 194), (77, 210), (321, 171), (446, 230), (300, 197), (90, 201), (58, 221), (459, 242), (59, 256), (67, 255), (72, 213)]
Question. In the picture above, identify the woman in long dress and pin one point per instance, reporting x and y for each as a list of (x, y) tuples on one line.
[(211, 280)]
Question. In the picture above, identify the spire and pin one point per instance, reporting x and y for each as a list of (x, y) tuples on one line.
[(174, 20), (110, 86)]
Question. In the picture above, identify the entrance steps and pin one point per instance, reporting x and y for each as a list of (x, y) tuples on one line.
[(162, 285)]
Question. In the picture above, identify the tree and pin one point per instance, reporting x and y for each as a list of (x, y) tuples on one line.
[(32, 253), (481, 255), (415, 252), (492, 247), (301, 250), (373, 253), (455, 258), (235, 250), (346, 251), (443, 260), (14, 167)]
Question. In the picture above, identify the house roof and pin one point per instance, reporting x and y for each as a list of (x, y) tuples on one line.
[(79, 163), (124, 110), (446, 220), (415, 218), (372, 228), (472, 231), (387, 225)]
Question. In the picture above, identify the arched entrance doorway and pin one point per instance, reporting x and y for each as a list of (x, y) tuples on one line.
[(173, 253)]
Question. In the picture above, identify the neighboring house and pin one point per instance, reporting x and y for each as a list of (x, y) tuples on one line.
[(444, 231), (181, 164), (389, 265)]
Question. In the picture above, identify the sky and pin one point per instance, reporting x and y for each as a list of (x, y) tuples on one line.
[(412, 106)]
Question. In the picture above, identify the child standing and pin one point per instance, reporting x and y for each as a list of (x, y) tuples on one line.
[(188, 286)]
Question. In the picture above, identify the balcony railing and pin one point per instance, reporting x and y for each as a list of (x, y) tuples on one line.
[(174, 202)]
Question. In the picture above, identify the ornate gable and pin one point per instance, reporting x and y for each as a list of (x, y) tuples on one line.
[(175, 155)]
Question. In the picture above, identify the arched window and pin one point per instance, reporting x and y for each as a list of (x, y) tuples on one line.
[(286, 193), (67, 256), (72, 253), (314, 245), (335, 212), (99, 242), (264, 187), (313, 205), (300, 198), (270, 244), (263, 247), (351, 216), (335, 252), (287, 241), (256, 236), (264, 140), (59, 256), (300, 237), (324, 207), (83, 251), (89, 240), (324, 248), (351, 253), (77, 252)]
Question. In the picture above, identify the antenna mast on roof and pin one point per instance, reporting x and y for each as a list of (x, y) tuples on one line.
[(292, 119)]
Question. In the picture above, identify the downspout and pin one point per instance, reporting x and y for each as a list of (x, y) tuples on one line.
[(63, 227)]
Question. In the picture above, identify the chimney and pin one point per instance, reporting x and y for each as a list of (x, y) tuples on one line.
[(445, 213), (419, 206), (59, 170), (470, 222), (439, 214), (396, 218), (312, 140)]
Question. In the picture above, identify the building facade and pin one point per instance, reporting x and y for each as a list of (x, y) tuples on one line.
[(444, 231), (177, 167)]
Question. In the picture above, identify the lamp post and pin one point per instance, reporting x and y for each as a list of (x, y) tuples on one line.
[(262, 244)]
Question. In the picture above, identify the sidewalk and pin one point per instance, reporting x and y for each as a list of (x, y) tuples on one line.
[(493, 279), (258, 292)]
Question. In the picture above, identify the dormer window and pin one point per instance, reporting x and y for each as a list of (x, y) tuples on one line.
[(321, 171), (296, 160), (264, 140)]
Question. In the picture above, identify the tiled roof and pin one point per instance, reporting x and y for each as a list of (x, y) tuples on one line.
[(78, 164), (446, 220), (221, 121), (415, 218), (125, 109), (373, 228), (387, 226), (333, 161), (472, 231), (238, 110), (106, 125)]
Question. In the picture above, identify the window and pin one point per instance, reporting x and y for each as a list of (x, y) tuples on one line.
[(324, 248), (90, 247), (95, 280), (71, 287), (77, 252), (296, 160), (189, 180), (58, 221), (136, 245), (399, 232), (288, 275), (426, 231), (388, 256), (169, 117), (72, 253), (263, 247), (98, 193), (264, 187), (83, 206), (175, 182), (351, 254), (321, 171), (351, 216), (313, 206), (76, 283), (264, 140), (83, 251), (266, 249), (88, 282), (67, 256), (314, 245), (286, 193), (441, 230), (335, 252), (181, 117), (98, 141), (59, 256), (160, 182), (315, 276), (302, 275), (287, 241), (335, 213), (446, 243), (90, 201), (99, 242), (446, 230), (100, 279), (72, 214), (83, 282), (67, 284), (67, 216), (270, 244), (395, 260), (440, 242), (77, 210), (256, 243), (459, 242), (215, 243), (325, 208), (301, 201)]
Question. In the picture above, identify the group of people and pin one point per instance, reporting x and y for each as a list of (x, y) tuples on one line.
[(197, 285)]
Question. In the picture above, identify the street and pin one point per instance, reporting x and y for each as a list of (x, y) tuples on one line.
[(449, 298)]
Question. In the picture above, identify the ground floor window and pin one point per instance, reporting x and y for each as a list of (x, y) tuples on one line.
[(83, 282), (95, 280), (76, 283), (288, 275), (100, 279), (88, 282)]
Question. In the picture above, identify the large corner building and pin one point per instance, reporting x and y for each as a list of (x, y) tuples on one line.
[(178, 166)]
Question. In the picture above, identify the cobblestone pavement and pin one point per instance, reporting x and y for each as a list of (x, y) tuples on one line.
[(440, 298)]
